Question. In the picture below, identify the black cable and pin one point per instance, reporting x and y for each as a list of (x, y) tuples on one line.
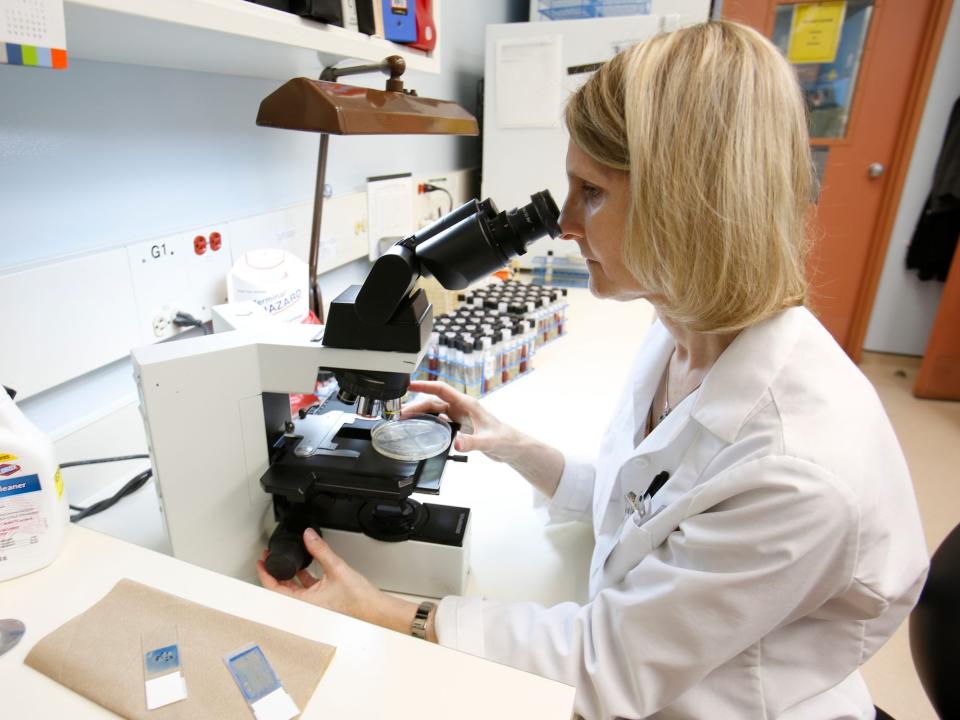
[(182, 319), (95, 461), (123, 492), (427, 187), (131, 487), (449, 197)]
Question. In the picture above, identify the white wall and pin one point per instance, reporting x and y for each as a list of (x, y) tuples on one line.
[(905, 306), (105, 154)]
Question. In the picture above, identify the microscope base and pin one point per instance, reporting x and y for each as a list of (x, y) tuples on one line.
[(412, 567)]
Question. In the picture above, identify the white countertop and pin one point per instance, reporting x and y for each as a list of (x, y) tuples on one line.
[(566, 401), (375, 673)]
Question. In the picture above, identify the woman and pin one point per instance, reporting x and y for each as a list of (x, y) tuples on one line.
[(782, 545)]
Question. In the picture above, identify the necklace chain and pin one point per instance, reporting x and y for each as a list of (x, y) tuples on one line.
[(667, 409), (666, 395)]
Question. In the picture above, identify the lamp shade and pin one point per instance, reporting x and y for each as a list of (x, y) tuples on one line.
[(331, 107)]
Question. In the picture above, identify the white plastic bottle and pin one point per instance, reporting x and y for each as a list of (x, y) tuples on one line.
[(33, 506)]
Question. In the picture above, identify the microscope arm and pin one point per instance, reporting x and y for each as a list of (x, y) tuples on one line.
[(389, 282), (396, 271)]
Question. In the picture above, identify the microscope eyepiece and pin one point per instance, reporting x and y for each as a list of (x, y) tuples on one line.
[(515, 229), (485, 240)]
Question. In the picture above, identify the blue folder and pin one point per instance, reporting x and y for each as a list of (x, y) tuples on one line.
[(399, 20)]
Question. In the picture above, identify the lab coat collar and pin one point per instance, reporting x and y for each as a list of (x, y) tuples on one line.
[(745, 370)]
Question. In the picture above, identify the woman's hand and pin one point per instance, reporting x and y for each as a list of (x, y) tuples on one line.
[(343, 590), (479, 430), (539, 463)]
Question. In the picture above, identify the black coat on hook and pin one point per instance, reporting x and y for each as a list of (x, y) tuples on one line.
[(935, 238)]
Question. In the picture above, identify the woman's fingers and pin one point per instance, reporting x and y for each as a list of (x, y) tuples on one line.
[(426, 405), (271, 583), (306, 578), (441, 390), (466, 442), (329, 561)]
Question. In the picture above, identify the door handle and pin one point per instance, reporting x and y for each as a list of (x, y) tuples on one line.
[(875, 170)]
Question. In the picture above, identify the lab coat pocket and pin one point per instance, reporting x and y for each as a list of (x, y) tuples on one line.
[(634, 544)]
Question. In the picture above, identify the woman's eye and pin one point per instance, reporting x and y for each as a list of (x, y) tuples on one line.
[(591, 192)]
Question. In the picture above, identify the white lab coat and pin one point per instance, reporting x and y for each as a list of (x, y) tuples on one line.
[(784, 550)]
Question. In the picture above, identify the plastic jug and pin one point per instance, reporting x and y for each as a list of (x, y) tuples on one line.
[(33, 506)]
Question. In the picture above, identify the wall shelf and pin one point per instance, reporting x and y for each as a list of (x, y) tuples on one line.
[(230, 37)]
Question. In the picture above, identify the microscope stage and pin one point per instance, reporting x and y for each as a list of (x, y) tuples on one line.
[(330, 452)]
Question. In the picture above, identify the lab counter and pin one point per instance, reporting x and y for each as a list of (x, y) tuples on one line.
[(566, 401), (376, 673)]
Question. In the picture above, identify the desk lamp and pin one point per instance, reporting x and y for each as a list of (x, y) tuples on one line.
[(329, 107)]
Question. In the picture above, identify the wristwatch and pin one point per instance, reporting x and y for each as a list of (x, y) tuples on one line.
[(418, 628)]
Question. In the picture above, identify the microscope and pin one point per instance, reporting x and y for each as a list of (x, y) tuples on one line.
[(229, 459)]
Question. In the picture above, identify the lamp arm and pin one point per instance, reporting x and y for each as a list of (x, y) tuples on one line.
[(394, 66), (316, 303)]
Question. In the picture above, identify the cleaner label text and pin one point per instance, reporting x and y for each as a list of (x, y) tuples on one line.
[(26, 484)]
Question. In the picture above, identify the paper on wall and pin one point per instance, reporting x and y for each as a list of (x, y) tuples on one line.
[(529, 72), (33, 32), (389, 209)]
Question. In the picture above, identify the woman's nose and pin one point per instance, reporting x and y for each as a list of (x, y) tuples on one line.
[(571, 226)]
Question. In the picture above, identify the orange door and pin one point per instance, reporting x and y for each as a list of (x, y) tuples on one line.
[(862, 65)]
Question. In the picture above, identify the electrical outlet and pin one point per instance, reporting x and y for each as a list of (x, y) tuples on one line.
[(162, 322), (185, 272), (429, 206)]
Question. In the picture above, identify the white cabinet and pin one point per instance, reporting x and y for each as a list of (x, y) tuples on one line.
[(231, 37)]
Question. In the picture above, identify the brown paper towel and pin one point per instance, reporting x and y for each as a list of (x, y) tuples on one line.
[(98, 654)]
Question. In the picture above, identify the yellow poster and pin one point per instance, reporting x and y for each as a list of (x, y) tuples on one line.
[(815, 32)]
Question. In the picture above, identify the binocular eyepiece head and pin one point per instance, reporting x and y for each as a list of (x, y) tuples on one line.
[(482, 239), (463, 246)]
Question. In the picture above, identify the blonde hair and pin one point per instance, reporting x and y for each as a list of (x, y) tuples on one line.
[(710, 125)]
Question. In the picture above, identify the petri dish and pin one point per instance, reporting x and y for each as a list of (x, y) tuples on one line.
[(414, 438)]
